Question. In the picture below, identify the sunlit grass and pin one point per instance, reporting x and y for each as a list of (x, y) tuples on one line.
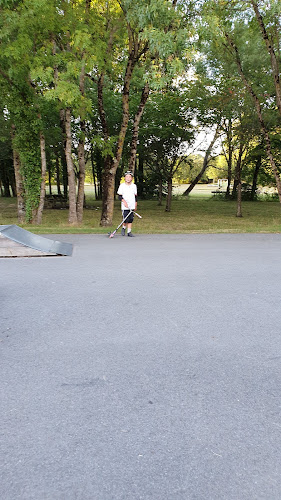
[(193, 215)]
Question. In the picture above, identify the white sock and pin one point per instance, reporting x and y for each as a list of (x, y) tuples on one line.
[(129, 230)]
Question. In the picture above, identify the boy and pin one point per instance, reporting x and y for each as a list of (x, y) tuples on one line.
[(127, 193)]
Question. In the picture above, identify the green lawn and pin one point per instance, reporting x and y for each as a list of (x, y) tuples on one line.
[(193, 215)]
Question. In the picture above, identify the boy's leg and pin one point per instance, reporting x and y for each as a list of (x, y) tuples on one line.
[(130, 229), (124, 213)]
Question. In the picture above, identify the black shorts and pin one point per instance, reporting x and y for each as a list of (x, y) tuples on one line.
[(130, 218)]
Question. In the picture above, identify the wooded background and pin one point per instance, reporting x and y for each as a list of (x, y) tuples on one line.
[(93, 87)]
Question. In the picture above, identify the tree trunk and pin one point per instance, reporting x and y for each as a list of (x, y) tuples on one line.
[(81, 176), (38, 218), (125, 114), (255, 178), (19, 183), (108, 183), (239, 199), (110, 172), (72, 216), (50, 179), (81, 154), (205, 163), (229, 159), (63, 154), (238, 179), (99, 171), (174, 165), (107, 178), (58, 174), (260, 117), (160, 193), (169, 195), (64, 175), (137, 119), (94, 172), (101, 108), (5, 181), (234, 189)]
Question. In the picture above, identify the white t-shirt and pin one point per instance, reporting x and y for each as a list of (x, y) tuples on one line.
[(128, 193)]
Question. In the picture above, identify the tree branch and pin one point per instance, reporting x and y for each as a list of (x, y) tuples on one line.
[(270, 49)]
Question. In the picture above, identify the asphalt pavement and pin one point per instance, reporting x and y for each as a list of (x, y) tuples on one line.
[(144, 368)]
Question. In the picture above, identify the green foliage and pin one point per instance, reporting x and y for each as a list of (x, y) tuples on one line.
[(105, 147), (31, 172), (189, 169), (27, 144), (47, 44), (217, 168)]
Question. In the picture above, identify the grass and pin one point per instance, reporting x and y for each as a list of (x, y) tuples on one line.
[(193, 215)]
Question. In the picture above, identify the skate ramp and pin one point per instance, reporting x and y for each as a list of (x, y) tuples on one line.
[(17, 242)]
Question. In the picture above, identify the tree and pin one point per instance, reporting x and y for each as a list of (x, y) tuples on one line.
[(21, 38), (274, 20), (7, 176), (259, 113), (205, 162), (154, 39), (165, 133), (47, 62), (235, 32)]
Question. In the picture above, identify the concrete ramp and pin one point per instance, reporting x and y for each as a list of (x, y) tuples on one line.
[(17, 242)]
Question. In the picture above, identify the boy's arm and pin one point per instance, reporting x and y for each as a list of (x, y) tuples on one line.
[(120, 196)]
